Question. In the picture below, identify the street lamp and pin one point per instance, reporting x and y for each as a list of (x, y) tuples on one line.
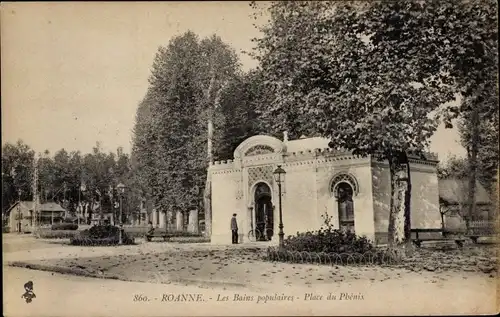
[(19, 210), (279, 175), (121, 190)]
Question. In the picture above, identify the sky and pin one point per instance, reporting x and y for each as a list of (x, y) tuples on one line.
[(73, 73)]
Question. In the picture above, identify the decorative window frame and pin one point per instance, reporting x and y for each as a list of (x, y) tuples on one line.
[(259, 149), (343, 177), (259, 140)]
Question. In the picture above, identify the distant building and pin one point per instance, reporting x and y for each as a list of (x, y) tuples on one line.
[(354, 190), (22, 215), (140, 215), (453, 201)]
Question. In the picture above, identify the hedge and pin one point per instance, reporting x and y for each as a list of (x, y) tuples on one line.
[(64, 226), (189, 239), (177, 234), (55, 234)]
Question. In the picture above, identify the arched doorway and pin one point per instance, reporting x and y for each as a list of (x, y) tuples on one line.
[(264, 213), (344, 194)]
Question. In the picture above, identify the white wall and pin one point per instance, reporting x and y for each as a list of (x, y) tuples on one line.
[(299, 200), (363, 203), (424, 197), (224, 204)]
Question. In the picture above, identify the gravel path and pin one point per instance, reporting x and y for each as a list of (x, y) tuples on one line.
[(445, 281)]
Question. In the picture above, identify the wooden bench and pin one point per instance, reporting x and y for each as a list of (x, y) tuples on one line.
[(156, 234), (418, 241)]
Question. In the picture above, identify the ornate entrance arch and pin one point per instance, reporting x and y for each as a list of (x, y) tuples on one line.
[(263, 220)]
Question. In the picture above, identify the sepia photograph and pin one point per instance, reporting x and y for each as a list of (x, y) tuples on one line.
[(286, 158)]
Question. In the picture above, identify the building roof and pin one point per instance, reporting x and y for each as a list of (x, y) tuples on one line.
[(304, 144), (454, 191), (48, 206)]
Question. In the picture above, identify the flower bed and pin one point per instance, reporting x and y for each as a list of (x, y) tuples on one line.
[(85, 241), (328, 240), (331, 246), (373, 257)]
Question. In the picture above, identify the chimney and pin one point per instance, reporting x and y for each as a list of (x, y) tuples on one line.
[(285, 136)]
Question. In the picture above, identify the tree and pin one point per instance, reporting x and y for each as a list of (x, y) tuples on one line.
[(17, 173), (98, 176), (241, 107), (454, 167), (143, 144), (175, 121), (479, 135), (218, 66), (173, 82), (473, 63), (372, 77)]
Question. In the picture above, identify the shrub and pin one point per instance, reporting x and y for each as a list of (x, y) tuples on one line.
[(136, 231), (169, 233), (5, 229), (101, 235), (64, 226), (328, 240)]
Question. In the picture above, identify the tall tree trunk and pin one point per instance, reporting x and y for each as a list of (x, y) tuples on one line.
[(407, 204), (441, 212), (166, 215), (101, 212), (472, 155), (90, 211), (396, 230), (207, 194), (207, 202), (392, 176)]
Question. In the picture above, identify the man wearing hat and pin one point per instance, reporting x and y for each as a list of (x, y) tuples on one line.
[(234, 229)]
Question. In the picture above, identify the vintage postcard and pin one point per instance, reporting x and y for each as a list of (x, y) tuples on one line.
[(241, 158)]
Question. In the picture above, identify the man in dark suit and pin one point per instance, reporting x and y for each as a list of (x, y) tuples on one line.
[(234, 229)]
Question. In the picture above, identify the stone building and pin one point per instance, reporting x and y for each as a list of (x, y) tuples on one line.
[(355, 191), (182, 221), (22, 215), (453, 197)]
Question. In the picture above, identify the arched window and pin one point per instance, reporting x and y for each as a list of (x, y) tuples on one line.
[(344, 187), (343, 178), (345, 203)]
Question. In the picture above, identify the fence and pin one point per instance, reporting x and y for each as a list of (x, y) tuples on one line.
[(482, 228), (376, 257)]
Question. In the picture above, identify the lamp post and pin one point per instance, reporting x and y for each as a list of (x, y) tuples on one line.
[(279, 175), (19, 210), (121, 190)]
